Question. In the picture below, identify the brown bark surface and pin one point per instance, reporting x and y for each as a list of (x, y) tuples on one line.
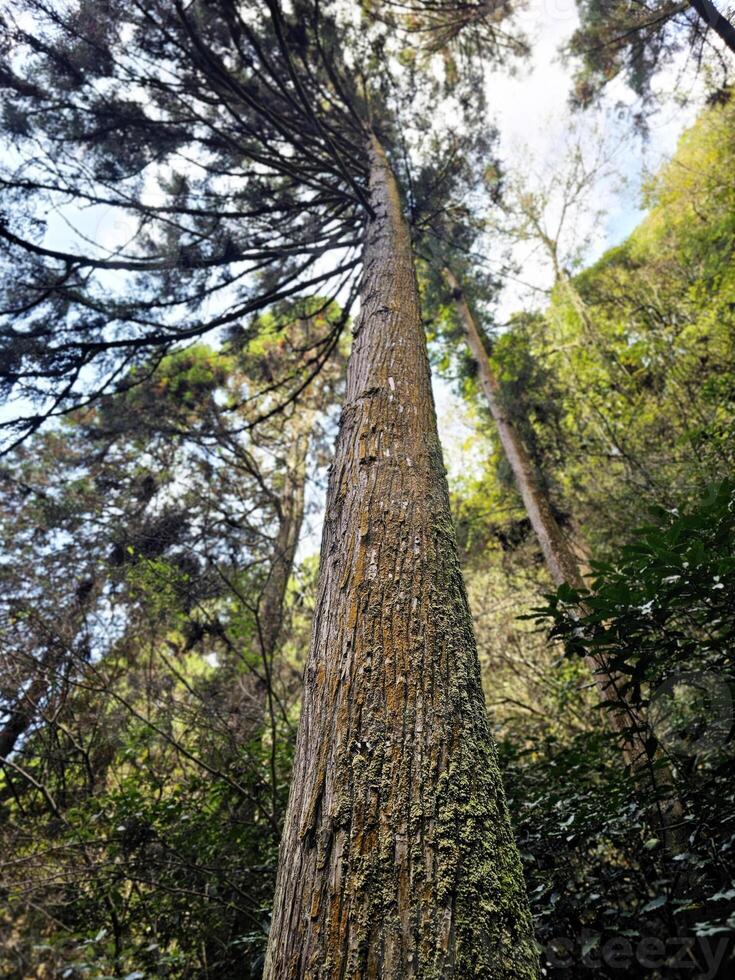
[(714, 19), (397, 859)]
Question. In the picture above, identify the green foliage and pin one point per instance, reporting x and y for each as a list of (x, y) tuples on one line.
[(159, 583), (624, 391), (580, 833), (663, 612), (666, 602), (620, 40), (177, 871), (145, 733), (632, 399)]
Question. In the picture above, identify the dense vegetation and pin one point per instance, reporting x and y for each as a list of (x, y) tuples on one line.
[(160, 577), (628, 396)]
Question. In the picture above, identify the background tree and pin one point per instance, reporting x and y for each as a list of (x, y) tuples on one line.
[(180, 128), (148, 710), (661, 442), (468, 29), (636, 41), (652, 402)]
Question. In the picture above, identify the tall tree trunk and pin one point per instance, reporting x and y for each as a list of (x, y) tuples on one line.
[(563, 566), (560, 561), (397, 858)]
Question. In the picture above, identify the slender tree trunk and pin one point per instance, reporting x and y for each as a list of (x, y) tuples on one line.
[(397, 859), (563, 567), (256, 691), (291, 518), (560, 560)]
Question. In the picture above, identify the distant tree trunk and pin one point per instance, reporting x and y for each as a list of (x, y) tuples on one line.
[(251, 701), (397, 859), (561, 562), (290, 521)]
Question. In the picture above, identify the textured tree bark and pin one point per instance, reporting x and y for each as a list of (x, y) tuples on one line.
[(564, 568), (397, 859)]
